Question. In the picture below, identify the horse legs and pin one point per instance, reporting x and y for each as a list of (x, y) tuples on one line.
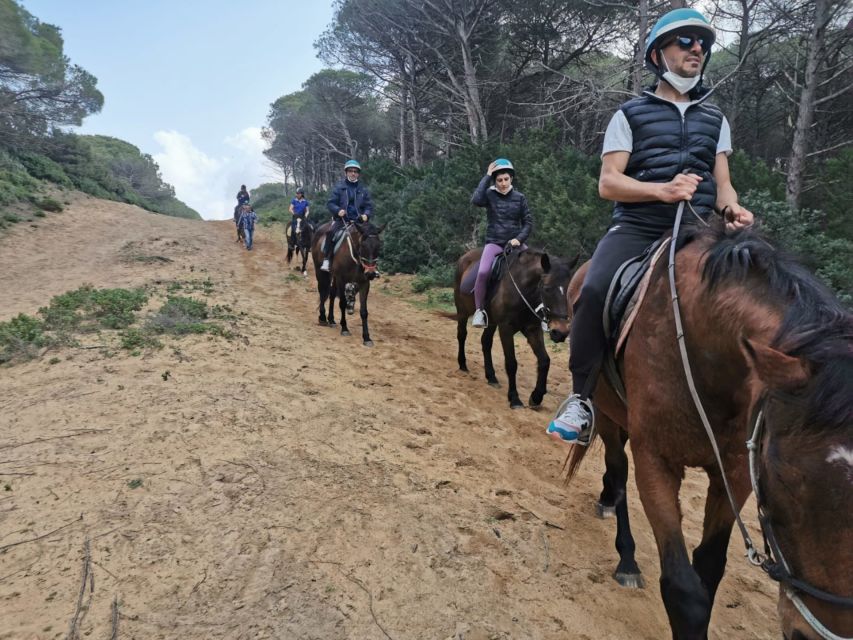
[(614, 499), (461, 336), (486, 342), (304, 261), (543, 363), (511, 365), (342, 307), (709, 558), (363, 290), (323, 290), (685, 598)]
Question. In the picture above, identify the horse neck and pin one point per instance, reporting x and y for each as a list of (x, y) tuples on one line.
[(527, 276)]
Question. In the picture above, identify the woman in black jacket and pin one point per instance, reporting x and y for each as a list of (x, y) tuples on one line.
[(508, 221)]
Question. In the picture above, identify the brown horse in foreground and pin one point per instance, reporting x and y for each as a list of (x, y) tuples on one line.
[(764, 338), (540, 282), (352, 269)]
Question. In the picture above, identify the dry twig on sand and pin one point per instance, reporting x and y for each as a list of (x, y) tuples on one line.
[(89, 577)]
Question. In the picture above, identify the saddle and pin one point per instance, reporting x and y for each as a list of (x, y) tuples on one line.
[(624, 298), (499, 267)]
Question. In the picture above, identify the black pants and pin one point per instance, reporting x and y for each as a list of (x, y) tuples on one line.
[(329, 246), (587, 340)]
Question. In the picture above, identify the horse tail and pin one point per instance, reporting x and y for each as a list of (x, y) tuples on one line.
[(573, 460)]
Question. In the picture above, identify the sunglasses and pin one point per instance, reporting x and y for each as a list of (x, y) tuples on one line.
[(687, 42)]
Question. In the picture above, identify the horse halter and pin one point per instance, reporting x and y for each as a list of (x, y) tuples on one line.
[(773, 561)]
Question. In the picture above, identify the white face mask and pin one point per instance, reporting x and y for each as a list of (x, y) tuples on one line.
[(353, 180), (680, 83)]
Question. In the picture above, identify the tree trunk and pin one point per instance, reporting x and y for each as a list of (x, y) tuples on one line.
[(404, 106), (473, 106), (640, 53), (805, 110)]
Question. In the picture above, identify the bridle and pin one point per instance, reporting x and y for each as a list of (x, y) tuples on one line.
[(368, 265), (778, 569), (773, 561)]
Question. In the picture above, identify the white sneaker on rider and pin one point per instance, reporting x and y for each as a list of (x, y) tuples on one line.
[(324, 266), (480, 320), (573, 422)]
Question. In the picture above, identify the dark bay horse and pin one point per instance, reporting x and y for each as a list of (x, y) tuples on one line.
[(300, 243), (352, 268), (533, 289), (768, 345)]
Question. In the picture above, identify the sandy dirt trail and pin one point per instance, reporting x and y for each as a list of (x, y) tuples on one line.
[(291, 483)]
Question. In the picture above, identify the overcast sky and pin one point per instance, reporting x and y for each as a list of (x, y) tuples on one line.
[(190, 82)]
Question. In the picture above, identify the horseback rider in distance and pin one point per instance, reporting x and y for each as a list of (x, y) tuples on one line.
[(508, 222), (350, 202), (660, 148), (299, 209)]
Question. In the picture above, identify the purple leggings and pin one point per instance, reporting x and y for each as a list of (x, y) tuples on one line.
[(490, 252)]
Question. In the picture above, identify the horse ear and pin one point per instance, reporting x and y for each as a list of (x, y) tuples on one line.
[(546, 263), (382, 227), (775, 369), (574, 261)]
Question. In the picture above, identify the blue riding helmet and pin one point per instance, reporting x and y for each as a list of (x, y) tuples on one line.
[(300, 191), (684, 21), (352, 164), (502, 164)]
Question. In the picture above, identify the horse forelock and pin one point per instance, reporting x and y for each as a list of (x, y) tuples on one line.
[(814, 325)]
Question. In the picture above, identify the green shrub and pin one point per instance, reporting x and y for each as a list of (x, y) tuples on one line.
[(107, 308), (49, 204), (134, 339), (21, 337), (437, 275)]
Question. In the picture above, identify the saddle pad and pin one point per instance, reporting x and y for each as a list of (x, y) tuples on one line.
[(636, 300)]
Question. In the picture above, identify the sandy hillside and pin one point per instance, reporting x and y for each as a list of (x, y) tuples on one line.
[(291, 483)]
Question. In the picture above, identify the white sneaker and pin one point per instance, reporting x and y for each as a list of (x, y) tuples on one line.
[(324, 266), (480, 321), (573, 422)]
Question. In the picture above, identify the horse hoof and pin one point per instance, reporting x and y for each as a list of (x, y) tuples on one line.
[(345, 333), (305, 274), (332, 323), (368, 343), (630, 580), (516, 405), (464, 369), (605, 511), (494, 383)]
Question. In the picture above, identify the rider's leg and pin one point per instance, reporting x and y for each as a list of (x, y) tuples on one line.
[(587, 342), (490, 252)]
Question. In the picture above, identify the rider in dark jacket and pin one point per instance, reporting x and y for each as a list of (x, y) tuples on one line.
[(349, 203), (666, 146), (508, 221)]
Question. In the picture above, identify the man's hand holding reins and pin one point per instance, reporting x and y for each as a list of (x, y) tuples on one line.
[(737, 217), (342, 213), (681, 187)]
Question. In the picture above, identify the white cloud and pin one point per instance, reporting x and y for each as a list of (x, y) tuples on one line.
[(206, 183)]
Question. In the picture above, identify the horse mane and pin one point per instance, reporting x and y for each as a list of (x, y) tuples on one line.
[(815, 325)]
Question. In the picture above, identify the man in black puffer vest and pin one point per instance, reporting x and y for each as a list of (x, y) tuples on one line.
[(660, 148)]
